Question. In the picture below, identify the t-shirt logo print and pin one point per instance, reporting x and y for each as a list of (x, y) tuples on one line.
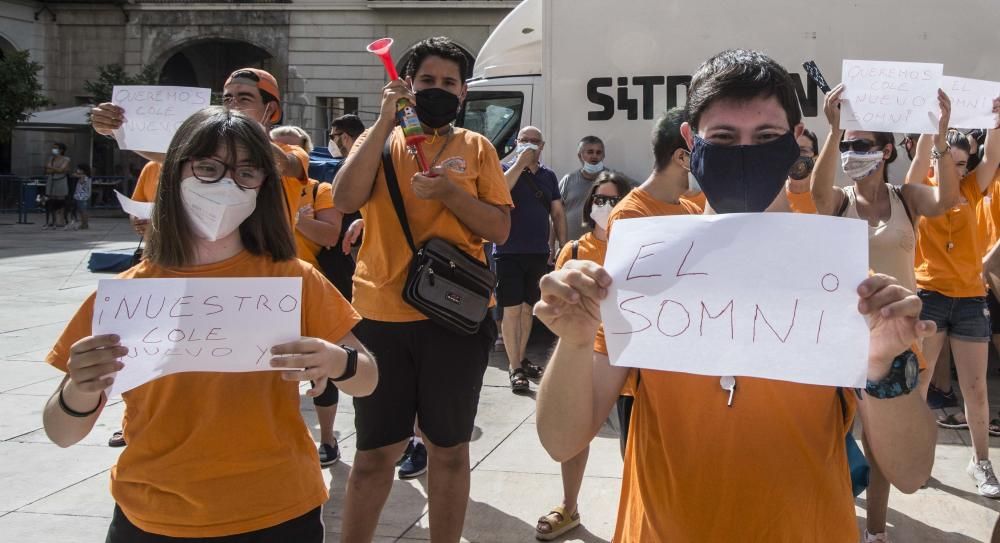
[(455, 164)]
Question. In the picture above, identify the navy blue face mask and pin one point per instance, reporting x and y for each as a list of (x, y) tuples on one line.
[(743, 178)]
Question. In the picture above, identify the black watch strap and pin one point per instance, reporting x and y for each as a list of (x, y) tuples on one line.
[(351, 367)]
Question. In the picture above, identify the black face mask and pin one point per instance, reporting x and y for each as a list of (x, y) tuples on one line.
[(436, 107), (802, 168), (743, 178)]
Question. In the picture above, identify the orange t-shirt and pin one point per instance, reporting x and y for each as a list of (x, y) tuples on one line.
[(305, 248), (772, 467), (638, 203), (801, 202), (149, 179), (988, 216), (384, 258), (216, 454), (588, 247), (697, 199), (956, 273), (295, 187)]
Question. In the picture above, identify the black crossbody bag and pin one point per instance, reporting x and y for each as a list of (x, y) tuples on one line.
[(447, 285)]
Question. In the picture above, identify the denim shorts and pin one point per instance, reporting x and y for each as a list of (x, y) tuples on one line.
[(967, 319)]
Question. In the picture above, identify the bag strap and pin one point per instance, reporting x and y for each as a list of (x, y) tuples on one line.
[(848, 196), (392, 183), (539, 195), (899, 194), (315, 190), (575, 249)]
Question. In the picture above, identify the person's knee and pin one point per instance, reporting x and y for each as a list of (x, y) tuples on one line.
[(448, 458), (375, 462)]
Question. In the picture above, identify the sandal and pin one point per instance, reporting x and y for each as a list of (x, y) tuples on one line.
[(518, 382), (532, 370), (953, 422), (556, 523), (994, 427)]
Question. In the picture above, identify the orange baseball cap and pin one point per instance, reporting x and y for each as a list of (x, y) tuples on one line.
[(264, 81)]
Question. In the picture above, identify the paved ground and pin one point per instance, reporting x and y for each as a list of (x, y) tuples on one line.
[(51, 494)]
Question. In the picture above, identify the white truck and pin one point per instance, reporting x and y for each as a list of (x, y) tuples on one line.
[(594, 67)]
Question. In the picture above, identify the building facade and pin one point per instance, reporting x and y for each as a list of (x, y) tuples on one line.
[(315, 48)]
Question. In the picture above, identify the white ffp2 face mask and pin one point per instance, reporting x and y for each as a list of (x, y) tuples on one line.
[(601, 214), (860, 165), (216, 209)]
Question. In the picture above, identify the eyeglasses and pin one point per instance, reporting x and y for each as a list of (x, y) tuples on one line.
[(605, 200), (858, 146), (210, 170), (334, 135)]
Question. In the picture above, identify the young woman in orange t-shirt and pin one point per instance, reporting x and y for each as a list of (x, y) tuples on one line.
[(607, 191), (949, 273), (216, 455)]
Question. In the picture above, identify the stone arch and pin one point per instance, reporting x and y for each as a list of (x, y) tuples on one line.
[(6, 46), (206, 62)]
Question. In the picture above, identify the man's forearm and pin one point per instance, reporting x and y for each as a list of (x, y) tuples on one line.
[(353, 185), (565, 415), (902, 435), (485, 220)]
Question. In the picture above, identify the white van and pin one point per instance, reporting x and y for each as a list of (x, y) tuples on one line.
[(596, 67)]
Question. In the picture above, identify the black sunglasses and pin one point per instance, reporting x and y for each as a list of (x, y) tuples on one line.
[(600, 200), (858, 146)]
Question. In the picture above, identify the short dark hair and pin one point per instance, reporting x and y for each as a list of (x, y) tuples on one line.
[(667, 137), (265, 231), (621, 182), (61, 146), (740, 74), (85, 168), (812, 138), (349, 124), (438, 46), (589, 140)]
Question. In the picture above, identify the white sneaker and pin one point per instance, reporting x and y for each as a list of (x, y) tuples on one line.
[(880, 537), (986, 480)]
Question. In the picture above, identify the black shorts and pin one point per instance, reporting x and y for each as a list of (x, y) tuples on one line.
[(425, 372), (329, 397), (308, 529), (994, 306), (517, 278)]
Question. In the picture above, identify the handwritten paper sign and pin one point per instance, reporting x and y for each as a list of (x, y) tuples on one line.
[(971, 101), (153, 114), (183, 325), (761, 295), (891, 96), (139, 210)]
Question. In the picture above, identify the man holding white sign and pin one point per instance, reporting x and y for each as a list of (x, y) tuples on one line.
[(710, 458)]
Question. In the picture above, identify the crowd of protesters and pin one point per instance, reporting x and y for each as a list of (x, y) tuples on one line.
[(344, 218)]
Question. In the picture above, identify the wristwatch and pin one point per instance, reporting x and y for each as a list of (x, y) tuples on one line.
[(351, 367), (903, 377)]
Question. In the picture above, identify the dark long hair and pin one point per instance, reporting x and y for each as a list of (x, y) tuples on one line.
[(620, 181), (266, 231)]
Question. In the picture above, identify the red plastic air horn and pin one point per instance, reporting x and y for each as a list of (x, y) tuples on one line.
[(406, 117)]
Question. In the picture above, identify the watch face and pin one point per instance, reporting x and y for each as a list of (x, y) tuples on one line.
[(912, 370)]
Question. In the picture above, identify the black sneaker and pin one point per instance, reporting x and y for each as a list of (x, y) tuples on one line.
[(936, 399), (415, 464), (406, 453), (117, 439), (328, 455)]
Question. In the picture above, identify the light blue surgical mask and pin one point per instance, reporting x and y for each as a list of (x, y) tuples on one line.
[(593, 168)]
